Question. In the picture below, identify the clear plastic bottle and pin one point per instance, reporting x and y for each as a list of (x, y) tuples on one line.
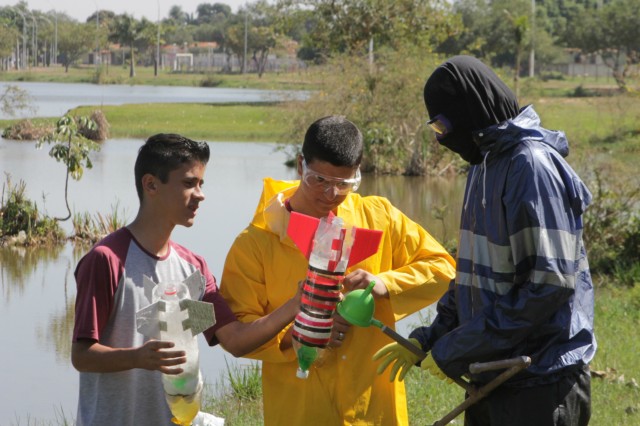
[(183, 391)]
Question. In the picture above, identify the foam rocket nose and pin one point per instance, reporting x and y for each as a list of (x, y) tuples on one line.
[(358, 306)]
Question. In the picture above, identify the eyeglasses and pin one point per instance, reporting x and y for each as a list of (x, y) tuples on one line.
[(323, 183), (440, 125)]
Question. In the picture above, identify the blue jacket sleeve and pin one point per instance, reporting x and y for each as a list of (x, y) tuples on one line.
[(445, 320)]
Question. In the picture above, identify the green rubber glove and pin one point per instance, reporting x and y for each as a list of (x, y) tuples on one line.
[(429, 364), (402, 358)]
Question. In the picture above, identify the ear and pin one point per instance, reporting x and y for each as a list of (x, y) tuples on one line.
[(149, 183), (299, 160)]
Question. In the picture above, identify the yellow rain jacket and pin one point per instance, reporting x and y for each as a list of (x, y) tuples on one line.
[(261, 273)]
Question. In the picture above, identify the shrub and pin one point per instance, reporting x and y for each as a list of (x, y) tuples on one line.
[(20, 216), (26, 130), (385, 101), (612, 227), (209, 80), (90, 229), (98, 131)]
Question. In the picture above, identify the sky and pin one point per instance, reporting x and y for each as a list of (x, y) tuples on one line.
[(81, 9)]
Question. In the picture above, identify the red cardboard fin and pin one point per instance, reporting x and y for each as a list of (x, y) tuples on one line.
[(365, 244), (301, 230)]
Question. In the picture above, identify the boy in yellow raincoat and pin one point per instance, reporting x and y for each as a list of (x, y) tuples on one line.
[(411, 270)]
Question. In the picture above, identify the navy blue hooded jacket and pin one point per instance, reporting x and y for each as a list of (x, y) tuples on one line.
[(523, 285)]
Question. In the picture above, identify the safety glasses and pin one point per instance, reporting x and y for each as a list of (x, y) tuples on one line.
[(323, 183), (440, 125)]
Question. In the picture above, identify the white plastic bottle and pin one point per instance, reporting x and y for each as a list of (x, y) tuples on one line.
[(183, 391)]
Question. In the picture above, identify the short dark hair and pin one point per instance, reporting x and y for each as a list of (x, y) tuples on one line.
[(333, 139), (165, 152)]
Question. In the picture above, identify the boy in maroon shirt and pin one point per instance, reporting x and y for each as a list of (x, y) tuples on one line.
[(118, 379)]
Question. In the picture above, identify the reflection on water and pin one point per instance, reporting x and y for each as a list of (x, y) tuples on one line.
[(18, 264), (433, 202), (38, 288)]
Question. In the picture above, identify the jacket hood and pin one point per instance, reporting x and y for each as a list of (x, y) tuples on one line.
[(271, 213), (526, 126)]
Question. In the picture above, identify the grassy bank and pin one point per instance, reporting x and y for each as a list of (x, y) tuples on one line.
[(305, 79), (213, 122)]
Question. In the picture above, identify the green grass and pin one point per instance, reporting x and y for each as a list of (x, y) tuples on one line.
[(240, 402), (616, 393), (602, 131), (213, 122), (304, 79)]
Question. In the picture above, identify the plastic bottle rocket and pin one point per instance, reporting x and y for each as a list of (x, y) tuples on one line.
[(320, 292), (175, 317), (329, 246)]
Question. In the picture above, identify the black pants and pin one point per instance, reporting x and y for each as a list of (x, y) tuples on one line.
[(566, 402)]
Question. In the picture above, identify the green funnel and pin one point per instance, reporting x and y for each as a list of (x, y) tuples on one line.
[(357, 307)]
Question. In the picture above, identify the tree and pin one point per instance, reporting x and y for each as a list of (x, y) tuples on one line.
[(126, 31), (14, 99), (178, 16), (613, 31), (146, 40), (520, 27), (207, 13), (496, 31), (72, 149), (353, 26), (234, 44), (74, 41), (101, 21), (8, 37), (261, 40), (385, 102)]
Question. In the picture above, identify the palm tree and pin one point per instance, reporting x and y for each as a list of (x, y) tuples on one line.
[(125, 30)]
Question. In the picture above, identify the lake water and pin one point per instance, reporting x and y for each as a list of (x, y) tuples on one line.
[(55, 99), (39, 385)]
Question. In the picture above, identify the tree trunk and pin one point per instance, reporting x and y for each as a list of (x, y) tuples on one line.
[(66, 186), (132, 71)]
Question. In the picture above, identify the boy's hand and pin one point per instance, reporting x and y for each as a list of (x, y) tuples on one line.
[(151, 356), (339, 331), (360, 279)]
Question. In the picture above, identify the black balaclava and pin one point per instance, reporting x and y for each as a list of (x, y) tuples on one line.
[(471, 96)]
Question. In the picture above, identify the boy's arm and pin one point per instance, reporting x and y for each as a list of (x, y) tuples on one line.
[(240, 338), (90, 356)]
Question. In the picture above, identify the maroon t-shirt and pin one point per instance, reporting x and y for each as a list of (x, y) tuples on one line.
[(110, 291)]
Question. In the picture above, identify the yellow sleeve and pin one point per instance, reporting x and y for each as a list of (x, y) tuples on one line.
[(416, 268), (243, 285)]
